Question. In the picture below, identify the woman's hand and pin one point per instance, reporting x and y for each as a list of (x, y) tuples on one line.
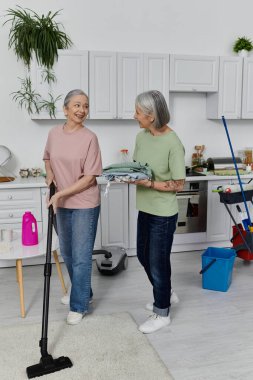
[(54, 201), (143, 182), (50, 178)]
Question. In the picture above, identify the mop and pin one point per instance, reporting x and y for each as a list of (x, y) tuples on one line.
[(47, 364), (248, 228)]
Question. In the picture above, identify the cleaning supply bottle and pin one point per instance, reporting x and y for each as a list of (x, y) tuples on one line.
[(29, 229)]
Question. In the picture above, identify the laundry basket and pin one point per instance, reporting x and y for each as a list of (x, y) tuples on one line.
[(217, 268)]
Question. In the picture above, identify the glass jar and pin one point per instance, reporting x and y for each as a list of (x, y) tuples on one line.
[(124, 155), (248, 155)]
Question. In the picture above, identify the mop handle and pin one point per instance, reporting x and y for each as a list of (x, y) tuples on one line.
[(236, 169)]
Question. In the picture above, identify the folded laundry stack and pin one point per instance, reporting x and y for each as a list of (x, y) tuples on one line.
[(126, 172)]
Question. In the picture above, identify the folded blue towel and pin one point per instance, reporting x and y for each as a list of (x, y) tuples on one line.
[(126, 171)]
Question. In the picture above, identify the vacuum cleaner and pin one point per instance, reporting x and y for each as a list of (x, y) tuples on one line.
[(111, 260), (47, 364)]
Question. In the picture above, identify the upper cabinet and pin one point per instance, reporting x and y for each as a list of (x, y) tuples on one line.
[(103, 85), (117, 78), (130, 83), (227, 101), (194, 73), (234, 99), (71, 72), (247, 98), (115, 81), (156, 73)]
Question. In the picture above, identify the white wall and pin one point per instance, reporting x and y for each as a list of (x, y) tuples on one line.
[(165, 26)]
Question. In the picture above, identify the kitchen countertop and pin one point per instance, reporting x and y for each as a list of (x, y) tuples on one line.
[(40, 181)]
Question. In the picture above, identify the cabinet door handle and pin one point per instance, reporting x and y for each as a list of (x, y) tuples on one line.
[(10, 197), (10, 215)]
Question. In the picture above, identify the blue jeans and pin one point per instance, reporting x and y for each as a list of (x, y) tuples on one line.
[(154, 241), (77, 231)]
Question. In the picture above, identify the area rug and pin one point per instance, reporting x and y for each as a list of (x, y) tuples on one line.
[(101, 348)]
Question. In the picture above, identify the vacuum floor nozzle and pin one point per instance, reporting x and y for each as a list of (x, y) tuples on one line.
[(48, 365)]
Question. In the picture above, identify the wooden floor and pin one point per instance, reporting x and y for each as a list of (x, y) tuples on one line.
[(211, 334)]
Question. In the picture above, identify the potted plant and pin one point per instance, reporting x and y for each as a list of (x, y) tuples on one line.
[(31, 33), (242, 46), (36, 37)]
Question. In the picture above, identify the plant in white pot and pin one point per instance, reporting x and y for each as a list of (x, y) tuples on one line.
[(242, 46)]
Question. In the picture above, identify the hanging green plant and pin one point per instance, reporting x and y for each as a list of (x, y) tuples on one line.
[(49, 105), (48, 76), (34, 37), (27, 97), (31, 33)]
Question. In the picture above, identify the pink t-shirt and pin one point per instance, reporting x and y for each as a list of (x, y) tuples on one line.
[(73, 155)]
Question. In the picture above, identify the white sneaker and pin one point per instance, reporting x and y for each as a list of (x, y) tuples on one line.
[(74, 318), (155, 322), (173, 299), (65, 299)]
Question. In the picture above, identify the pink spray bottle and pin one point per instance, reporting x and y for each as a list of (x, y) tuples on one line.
[(29, 229)]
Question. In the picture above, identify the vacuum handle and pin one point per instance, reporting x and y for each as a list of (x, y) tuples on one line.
[(207, 266), (52, 190)]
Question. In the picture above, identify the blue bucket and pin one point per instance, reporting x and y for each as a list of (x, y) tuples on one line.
[(217, 268)]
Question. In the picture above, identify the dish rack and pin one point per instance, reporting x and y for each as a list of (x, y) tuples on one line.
[(5, 156)]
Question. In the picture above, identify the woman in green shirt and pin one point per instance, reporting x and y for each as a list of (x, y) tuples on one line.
[(158, 146)]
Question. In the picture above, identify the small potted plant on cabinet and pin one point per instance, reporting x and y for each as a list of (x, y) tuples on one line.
[(242, 46)]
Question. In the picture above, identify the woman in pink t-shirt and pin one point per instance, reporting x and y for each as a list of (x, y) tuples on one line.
[(73, 161)]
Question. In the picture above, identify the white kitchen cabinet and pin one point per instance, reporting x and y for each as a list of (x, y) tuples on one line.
[(234, 99), (115, 81), (114, 215), (71, 72), (194, 73), (227, 101), (247, 98), (156, 73), (133, 214), (15, 202), (103, 85), (130, 83), (218, 219)]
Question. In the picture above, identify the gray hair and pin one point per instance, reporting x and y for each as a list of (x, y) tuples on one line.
[(153, 102), (73, 93)]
